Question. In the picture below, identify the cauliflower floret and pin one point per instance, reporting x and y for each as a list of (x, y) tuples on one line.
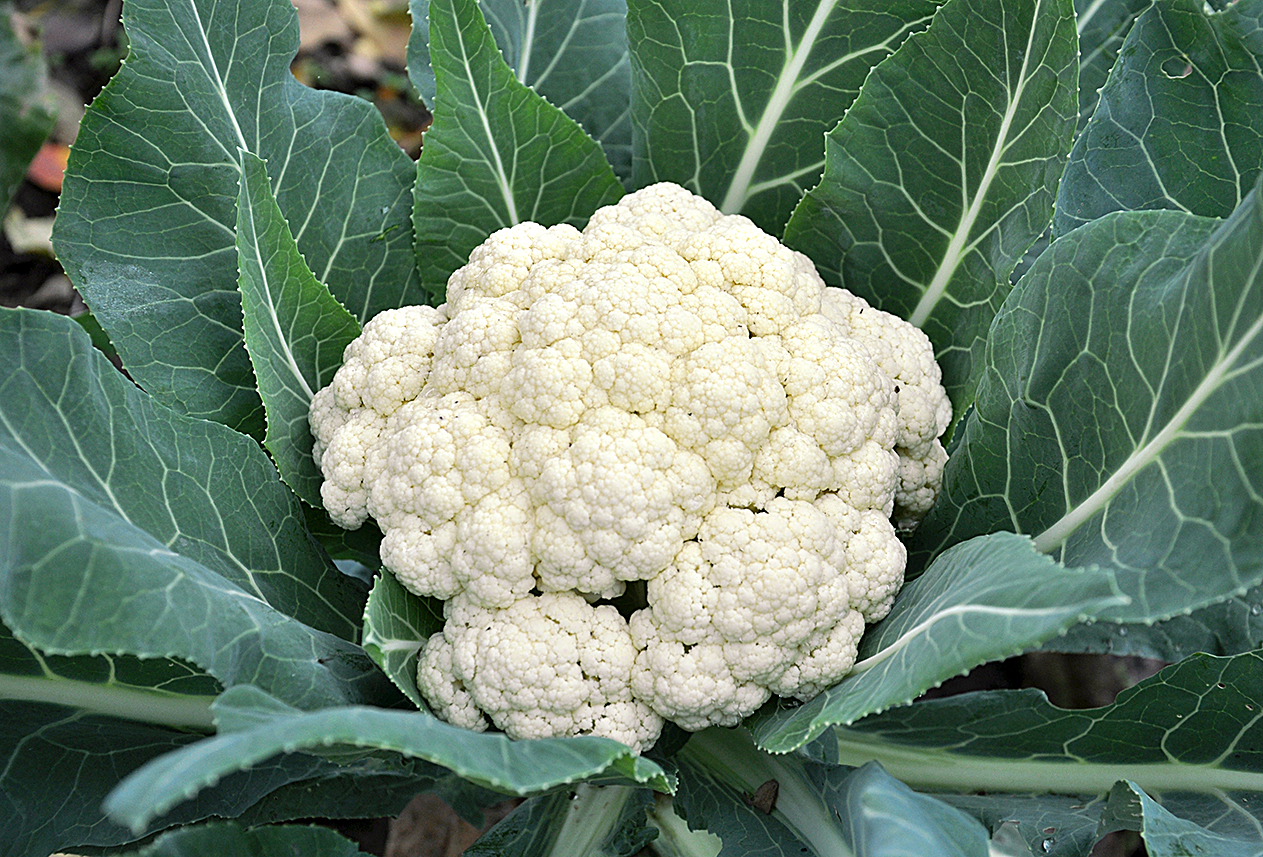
[(667, 410), (544, 666), (763, 590)]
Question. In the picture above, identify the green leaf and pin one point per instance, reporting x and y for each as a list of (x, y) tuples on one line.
[(984, 600), (159, 691), (595, 821), (1118, 422), (50, 720), (1102, 25), (1177, 125), (147, 222), (1191, 734), (497, 154), (1046, 825), (71, 727), (25, 112), (136, 530), (572, 52), (255, 727), (231, 838), (1228, 627), (396, 626), (731, 101), (822, 809), (295, 331), (882, 816), (944, 170), (1166, 835), (57, 765), (1187, 729)]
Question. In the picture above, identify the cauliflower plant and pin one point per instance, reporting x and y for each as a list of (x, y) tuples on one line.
[(669, 399)]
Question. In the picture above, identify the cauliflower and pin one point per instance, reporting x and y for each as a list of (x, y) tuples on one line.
[(654, 468)]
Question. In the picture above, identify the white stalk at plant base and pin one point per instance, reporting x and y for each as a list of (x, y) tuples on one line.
[(675, 839), (731, 756), (591, 816)]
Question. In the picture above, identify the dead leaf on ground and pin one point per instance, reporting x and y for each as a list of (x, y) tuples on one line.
[(319, 21)]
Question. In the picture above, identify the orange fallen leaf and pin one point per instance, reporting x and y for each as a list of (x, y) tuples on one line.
[(49, 166)]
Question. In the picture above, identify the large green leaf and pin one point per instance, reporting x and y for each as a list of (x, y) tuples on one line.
[(50, 720), (944, 171), (57, 764), (984, 600), (1119, 419), (1177, 125), (1228, 627), (1191, 735), (572, 52), (255, 727), (732, 101), (1187, 729), (159, 691), (498, 154), (25, 113), (1102, 25), (71, 727), (136, 530), (822, 809), (295, 331), (146, 227)]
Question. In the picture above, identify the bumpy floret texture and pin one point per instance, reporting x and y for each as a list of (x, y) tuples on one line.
[(668, 411)]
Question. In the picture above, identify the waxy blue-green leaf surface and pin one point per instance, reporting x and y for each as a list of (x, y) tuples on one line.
[(497, 154), (944, 171), (1191, 735), (255, 727), (1102, 26), (572, 52), (295, 330), (1176, 126), (136, 530), (146, 227), (1120, 420), (733, 100), (984, 600), (25, 113), (70, 727), (50, 720)]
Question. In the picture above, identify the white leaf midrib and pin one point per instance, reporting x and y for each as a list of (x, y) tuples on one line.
[(270, 303), (221, 88), (778, 102), (502, 178), (956, 248), (1060, 531), (937, 768)]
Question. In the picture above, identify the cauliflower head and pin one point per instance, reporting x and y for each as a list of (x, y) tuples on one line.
[(654, 468)]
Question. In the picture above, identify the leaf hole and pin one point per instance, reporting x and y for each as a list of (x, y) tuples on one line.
[(1177, 67)]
